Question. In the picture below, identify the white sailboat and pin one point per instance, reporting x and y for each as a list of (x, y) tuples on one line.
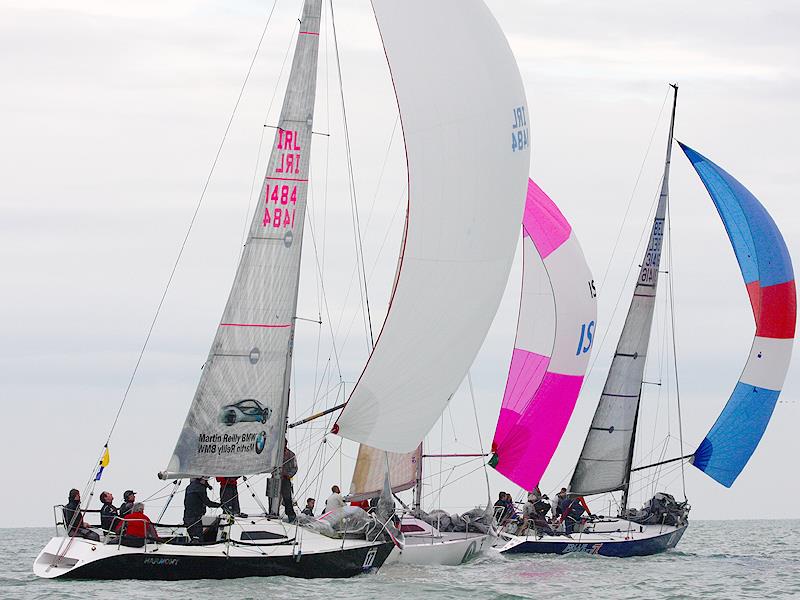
[(428, 343), (462, 104)]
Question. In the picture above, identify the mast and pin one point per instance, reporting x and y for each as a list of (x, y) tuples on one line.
[(605, 461), (297, 115), (663, 198), (418, 483)]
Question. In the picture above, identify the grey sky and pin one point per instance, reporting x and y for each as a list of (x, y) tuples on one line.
[(110, 115)]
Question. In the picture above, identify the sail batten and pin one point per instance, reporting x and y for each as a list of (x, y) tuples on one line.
[(465, 126), (557, 316), (236, 422), (768, 275)]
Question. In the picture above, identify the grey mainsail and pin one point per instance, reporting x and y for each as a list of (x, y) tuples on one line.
[(605, 461), (236, 422)]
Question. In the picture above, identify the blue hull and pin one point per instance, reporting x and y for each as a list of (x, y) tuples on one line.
[(620, 548)]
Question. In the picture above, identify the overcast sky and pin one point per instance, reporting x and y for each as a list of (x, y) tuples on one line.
[(111, 113)]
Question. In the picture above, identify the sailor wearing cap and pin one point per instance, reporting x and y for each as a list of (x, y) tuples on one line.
[(127, 507)]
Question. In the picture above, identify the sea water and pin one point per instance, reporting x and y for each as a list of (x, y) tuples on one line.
[(715, 559)]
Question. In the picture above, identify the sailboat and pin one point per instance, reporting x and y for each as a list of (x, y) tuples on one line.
[(464, 118), (425, 541), (606, 460), (448, 287)]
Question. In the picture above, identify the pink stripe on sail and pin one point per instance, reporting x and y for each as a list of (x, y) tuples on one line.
[(281, 326), (524, 376), (543, 222), (533, 439)]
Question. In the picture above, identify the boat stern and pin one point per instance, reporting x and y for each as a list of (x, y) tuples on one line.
[(64, 554)]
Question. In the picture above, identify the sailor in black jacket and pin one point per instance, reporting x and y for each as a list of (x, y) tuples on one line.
[(108, 512), (195, 502)]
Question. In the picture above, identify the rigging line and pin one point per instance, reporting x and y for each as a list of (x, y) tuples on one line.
[(320, 276), (191, 224), (353, 200), (671, 288), (372, 271), (318, 298), (480, 439), (324, 295), (370, 214), (318, 280), (449, 483), (645, 229), (633, 192)]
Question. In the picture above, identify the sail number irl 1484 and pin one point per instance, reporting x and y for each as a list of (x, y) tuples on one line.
[(280, 192), (519, 130)]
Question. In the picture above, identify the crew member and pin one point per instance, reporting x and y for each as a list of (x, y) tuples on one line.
[(108, 512), (136, 524), (309, 509), (195, 501), (73, 518), (229, 495), (335, 500), (288, 470), (129, 498)]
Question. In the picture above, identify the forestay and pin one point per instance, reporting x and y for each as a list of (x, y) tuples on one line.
[(767, 271), (236, 421), (370, 472), (465, 125), (605, 461), (557, 314)]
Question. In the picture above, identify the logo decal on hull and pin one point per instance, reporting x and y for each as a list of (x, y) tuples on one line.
[(585, 548), (369, 559), (160, 561), (469, 553)]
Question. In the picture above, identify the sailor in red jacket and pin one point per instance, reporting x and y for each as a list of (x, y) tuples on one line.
[(137, 524), (229, 495)]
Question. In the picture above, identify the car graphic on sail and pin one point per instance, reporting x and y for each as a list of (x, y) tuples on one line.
[(244, 411)]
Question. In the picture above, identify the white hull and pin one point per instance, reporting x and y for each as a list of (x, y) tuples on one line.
[(434, 547), (259, 547)]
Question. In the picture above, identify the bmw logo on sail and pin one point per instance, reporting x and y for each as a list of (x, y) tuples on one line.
[(261, 441)]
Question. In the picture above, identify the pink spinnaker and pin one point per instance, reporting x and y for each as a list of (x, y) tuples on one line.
[(557, 315)]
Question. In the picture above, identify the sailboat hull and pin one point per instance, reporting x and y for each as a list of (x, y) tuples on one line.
[(93, 560), (622, 543), (448, 549)]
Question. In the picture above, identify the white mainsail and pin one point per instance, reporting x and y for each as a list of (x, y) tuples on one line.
[(236, 421), (465, 124), (605, 461)]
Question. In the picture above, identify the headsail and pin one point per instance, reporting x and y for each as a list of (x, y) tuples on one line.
[(605, 461), (465, 125), (236, 422), (557, 314), (767, 271), (370, 472)]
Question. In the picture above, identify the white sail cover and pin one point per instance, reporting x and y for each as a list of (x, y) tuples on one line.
[(235, 424), (465, 124), (370, 472)]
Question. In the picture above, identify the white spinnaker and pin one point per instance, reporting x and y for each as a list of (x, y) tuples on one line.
[(464, 117), (370, 472), (236, 422)]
